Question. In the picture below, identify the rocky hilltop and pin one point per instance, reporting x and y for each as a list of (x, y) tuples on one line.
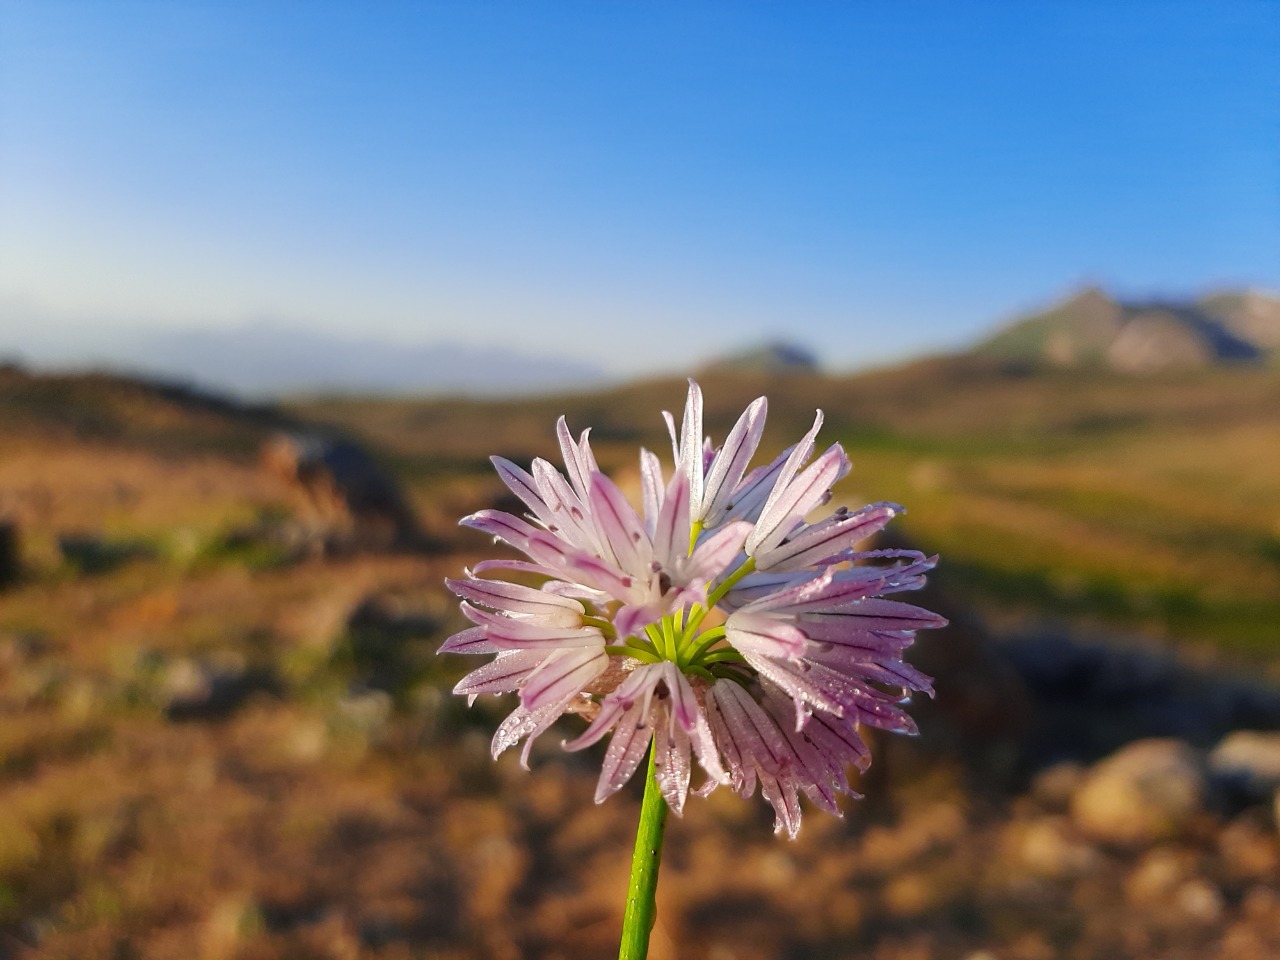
[(1091, 328)]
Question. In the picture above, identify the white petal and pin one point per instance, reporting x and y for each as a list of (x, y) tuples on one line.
[(471, 640), (792, 499), (795, 459), (731, 462), (671, 531), (518, 600), (562, 676), (627, 747), (691, 442), (825, 539), (503, 674), (671, 763), (619, 526), (650, 488), (764, 635)]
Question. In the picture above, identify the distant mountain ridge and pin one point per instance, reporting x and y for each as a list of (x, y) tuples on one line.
[(264, 359), (1092, 329), (272, 359), (776, 357)]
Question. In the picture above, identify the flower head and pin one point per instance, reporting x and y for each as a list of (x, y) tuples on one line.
[(716, 624)]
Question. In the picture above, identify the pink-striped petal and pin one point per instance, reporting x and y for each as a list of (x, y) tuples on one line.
[(638, 687), (627, 747), (508, 634), (714, 554), (518, 600), (566, 514), (504, 674), (798, 684), (749, 497), (704, 747), (621, 529), (520, 483), (471, 640), (826, 539), (578, 462), (872, 613), (519, 566), (684, 704), (538, 545), (796, 458), (651, 486), (522, 723), (671, 530), (561, 676), (691, 443), (794, 498), (671, 763), (730, 463), (764, 635)]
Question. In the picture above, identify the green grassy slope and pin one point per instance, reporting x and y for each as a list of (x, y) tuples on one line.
[(1148, 504)]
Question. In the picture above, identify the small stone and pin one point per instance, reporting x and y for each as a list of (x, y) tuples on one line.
[(910, 895), (1157, 875), (1148, 790), (1199, 901), (1247, 848), (1054, 786), (1046, 848)]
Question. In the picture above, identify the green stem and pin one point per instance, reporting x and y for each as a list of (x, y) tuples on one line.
[(723, 655), (659, 641), (702, 642), (695, 530), (669, 634), (731, 581), (637, 921), (699, 612), (603, 625)]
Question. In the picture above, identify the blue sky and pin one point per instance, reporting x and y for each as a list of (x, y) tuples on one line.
[(624, 183)]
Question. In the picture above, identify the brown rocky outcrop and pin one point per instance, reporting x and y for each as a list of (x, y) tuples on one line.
[(347, 500)]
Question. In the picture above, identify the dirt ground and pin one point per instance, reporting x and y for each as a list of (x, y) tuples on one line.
[(218, 741)]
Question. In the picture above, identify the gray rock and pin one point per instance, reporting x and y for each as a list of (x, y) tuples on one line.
[(351, 502), (210, 687), (366, 711), (1246, 763), (1146, 791)]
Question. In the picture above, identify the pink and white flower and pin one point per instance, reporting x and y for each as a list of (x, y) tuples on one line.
[(718, 625)]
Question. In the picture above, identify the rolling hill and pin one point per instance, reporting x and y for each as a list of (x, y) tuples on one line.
[(1092, 329)]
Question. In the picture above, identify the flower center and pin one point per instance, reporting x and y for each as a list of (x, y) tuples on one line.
[(693, 638)]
